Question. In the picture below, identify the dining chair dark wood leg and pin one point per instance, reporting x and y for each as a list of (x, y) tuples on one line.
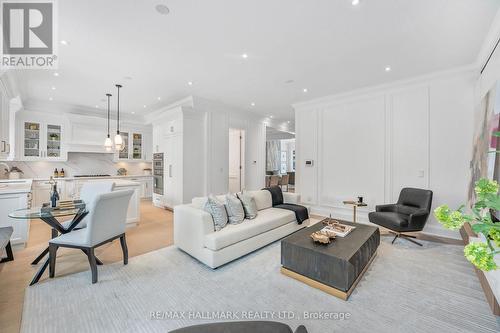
[(10, 254), (52, 260), (123, 242), (93, 264), (98, 262)]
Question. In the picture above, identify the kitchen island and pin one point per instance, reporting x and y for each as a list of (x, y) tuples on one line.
[(133, 212), (15, 194)]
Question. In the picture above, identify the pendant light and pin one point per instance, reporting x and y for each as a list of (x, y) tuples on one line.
[(118, 137), (108, 144)]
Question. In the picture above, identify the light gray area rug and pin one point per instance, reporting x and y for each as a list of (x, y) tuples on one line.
[(406, 289)]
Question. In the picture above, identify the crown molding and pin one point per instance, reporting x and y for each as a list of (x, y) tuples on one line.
[(152, 115), (472, 70), (72, 109)]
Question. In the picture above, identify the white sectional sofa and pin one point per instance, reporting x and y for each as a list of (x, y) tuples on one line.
[(194, 229)]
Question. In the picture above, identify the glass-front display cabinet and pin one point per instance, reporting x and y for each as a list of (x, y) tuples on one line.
[(137, 146)]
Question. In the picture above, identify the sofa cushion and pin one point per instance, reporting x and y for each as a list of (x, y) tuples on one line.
[(218, 212), (249, 205), (262, 198), (389, 220), (267, 219), (234, 208)]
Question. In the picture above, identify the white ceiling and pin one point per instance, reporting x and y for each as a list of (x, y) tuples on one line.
[(323, 45)]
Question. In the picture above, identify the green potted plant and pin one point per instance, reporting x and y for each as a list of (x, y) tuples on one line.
[(480, 254)]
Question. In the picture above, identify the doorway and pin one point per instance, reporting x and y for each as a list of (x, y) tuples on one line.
[(236, 160)]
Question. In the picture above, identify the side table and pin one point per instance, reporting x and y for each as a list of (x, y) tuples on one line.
[(355, 205)]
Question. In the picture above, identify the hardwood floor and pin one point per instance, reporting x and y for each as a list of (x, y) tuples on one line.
[(154, 231)]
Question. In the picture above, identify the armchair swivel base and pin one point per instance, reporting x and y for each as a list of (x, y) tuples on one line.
[(405, 236)]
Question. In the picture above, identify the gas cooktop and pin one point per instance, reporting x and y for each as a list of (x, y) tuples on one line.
[(88, 176)]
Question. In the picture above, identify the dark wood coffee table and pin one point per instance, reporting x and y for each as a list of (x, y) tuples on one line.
[(335, 268)]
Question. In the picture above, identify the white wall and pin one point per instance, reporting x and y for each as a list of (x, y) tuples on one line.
[(208, 167), (220, 118), (375, 141)]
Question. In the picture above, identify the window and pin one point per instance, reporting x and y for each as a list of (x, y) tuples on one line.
[(283, 161)]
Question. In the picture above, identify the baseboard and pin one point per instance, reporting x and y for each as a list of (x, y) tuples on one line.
[(438, 237), (466, 232)]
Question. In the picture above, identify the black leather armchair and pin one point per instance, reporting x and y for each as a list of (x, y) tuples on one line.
[(409, 214)]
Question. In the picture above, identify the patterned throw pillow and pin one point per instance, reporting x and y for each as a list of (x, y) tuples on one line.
[(218, 212), (249, 205), (234, 209)]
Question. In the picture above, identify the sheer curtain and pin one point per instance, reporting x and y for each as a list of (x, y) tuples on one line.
[(272, 155)]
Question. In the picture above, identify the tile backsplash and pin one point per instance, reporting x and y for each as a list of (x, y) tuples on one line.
[(78, 164)]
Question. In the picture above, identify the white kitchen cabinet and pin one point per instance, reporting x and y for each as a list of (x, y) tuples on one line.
[(4, 128), (179, 135), (133, 211), (41, 192), (146, 188), (40, 138), (9, 105), (8, 204), (173, 173), (137, 146), (72, 189)]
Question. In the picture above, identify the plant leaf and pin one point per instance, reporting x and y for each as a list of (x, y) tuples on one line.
[(481, 228)]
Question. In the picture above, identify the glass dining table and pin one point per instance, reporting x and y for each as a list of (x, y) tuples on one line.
[(50, 216)]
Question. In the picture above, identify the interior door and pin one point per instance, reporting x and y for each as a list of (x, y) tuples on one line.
[(235, 160)]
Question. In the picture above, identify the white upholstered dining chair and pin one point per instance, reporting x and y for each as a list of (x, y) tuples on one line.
[(106, 222), (88, 193)]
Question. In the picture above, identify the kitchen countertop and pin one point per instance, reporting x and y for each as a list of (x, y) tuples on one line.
[(86, 178), (9, 186), (125, 183)]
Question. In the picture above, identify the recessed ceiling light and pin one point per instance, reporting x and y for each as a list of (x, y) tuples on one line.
[(244, 56), (97, 106), (53, 88), (271, 116), (252, 104), (355, 2), (56, 74), (288, 121), (305, 90), (190, 83), (145, 106), (64, 42), (388, 69), (50, 98), (159, 98), (133, 112), (162, 9)]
